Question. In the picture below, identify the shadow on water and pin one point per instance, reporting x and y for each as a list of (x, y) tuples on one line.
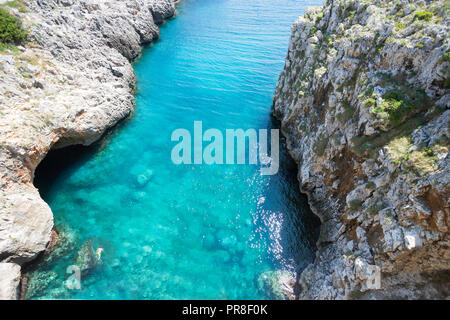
[(299, 222), (303, 224), (59, 162), (55, 163)]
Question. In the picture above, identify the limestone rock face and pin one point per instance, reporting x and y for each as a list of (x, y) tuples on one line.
[(9, 281), (161, 10), (67, 85), (363, 101), (26, 231)]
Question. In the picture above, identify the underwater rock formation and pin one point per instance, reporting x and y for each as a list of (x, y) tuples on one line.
[(279, 283)]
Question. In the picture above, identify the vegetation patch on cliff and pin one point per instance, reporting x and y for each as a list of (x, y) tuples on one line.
[(348, 112), (11, 30), (17, 4), (421, 160), (320, 145), (369, 146), (399, 101)]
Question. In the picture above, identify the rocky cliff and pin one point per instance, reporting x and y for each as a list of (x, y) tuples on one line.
[(70, 82), (363, 100)]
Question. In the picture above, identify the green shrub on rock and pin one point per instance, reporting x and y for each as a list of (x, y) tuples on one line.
[(355, 204), (446, 56), (11, 30), (424, 15), (18, 4), (320, 145), (398, 103)]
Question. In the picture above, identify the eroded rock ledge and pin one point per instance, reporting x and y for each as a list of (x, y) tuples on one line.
[(72, 81), (363, 100)]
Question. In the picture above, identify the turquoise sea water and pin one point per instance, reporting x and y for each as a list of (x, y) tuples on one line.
[(188, 231)]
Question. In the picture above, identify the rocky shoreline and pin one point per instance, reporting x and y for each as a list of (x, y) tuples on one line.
[(67, 85), (363, 100)]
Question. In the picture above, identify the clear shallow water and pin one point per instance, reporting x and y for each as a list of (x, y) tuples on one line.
[(188, 232)]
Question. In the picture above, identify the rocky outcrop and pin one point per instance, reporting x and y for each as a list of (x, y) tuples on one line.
[(363, 101), (72, 81), (9, 281)]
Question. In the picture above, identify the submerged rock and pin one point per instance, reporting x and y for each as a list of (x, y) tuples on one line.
[(279, 284), (86, 258), (62, 244), (144, 178), (39, 282)]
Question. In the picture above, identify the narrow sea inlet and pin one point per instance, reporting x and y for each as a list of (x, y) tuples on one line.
[(187, 231)]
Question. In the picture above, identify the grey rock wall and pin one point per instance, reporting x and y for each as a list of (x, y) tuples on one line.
[(363, 100)]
